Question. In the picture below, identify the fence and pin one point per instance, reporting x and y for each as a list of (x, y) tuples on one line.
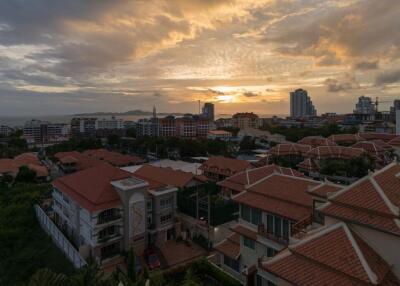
[(59, 238)]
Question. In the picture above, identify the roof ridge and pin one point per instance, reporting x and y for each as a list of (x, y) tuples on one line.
[(394, 209)]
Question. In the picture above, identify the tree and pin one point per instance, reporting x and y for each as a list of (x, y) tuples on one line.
[(113, 140), (131, 132), (46, 277), (89, 275), (25, 175)]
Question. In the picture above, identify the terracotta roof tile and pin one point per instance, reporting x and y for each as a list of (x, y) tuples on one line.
[(334, 255), (225, 166), (114, 158), (230, 246), (242, 230), (377, 136), (325, 152), (290, 149), (325, 189), (83, 161), (370, 147), (238, 182), (395, 141), (91, 188), (345, 138), (308, 165), (316, 141), (168, 176)]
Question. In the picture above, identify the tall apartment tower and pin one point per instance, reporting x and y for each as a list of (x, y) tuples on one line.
[(208, 111), (301, 104)]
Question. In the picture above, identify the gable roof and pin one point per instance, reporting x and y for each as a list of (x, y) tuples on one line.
[(30, 160), (82, 161), (280, 194), (395, 141), (315, 141), (333, 254), (339, 152), (239, 181), (91, 188), (377, 136), (345, 138), (372, 201), (371, 147), (168, 176), (224, 165), (290, 149), (230, 246), (325, 189), (114, 158)]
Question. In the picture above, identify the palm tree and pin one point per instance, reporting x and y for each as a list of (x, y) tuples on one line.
[(46, 277), (90, 275)]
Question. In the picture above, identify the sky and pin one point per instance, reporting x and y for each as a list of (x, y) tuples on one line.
[(65, 57)]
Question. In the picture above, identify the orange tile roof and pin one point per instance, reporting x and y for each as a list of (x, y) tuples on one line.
[(224, 166), (337, 152), (230, 247), (114, 158), (83, 161), (373, 201), (290, 149), (30, 160), (315, 141), (325, 189), (308, 165), (377, 136), (168, 176), (345, 138), (238, 182), (334, 255), (280, 194), (245, 231), (91, 188), (395, 141), (370, 147)]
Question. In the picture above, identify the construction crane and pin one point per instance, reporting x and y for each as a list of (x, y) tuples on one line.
[(377, 102)]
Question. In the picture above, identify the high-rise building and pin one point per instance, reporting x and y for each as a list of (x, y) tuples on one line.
[(364, 105), (83, 126), (43, 132), (301, 104), (208, 111)]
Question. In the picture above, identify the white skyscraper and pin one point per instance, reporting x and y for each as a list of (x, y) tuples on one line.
[(301, 104)]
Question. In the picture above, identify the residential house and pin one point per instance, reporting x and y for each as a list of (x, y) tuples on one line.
[(106, 210), (218, 168)]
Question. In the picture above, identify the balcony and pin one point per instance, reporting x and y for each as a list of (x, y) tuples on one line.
[(299, 228), (262, 231), (109, 218), (109, 237)]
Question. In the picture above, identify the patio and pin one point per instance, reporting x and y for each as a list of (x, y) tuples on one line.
[(180, 252)]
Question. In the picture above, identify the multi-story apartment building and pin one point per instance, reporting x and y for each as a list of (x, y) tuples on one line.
[(188, 126), (245, 120), (273, 210), (208, 111), (106, 210), (301, 104), (223, 122), (83, 126), (5, 130), (219, 135), (358, 244), (43, 132), (218, 168), (109, 123)]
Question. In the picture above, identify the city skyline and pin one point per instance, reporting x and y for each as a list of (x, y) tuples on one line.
[(76, 56)]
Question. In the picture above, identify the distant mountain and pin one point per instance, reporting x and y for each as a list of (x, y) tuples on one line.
[(131, 112)]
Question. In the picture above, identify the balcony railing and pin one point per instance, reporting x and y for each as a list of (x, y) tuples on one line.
[(299, 227), (108, 237), (277, 238), (106, 219)]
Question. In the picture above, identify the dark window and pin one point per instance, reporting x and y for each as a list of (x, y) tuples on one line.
[(246, 213), (255, 216), (249, 242), (234, 264), (270, 252), (270, 223), (278, 226), (285, 228)]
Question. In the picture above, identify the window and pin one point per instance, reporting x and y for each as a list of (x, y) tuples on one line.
[(149, 205), (270, 223), (270, 252), (108, 231), (285, 228), (249, 242), (166, 203), (255, 216), (277, 226), (261, 281), (234, 264), (164, 219), (245, 213)]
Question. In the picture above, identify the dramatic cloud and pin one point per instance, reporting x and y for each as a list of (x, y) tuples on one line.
[(346, 82), (387, 77), (119, 55)]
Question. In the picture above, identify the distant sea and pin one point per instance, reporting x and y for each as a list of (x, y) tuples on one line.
[(18, 121)]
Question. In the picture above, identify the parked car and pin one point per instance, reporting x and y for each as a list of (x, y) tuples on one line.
[(152, 259)]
